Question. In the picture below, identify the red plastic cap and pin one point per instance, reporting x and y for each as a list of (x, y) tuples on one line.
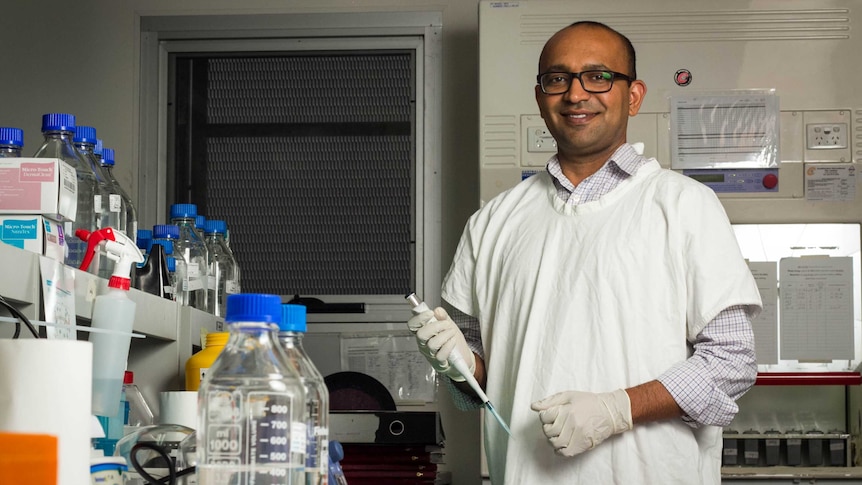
[(128, 377), (121, 283)]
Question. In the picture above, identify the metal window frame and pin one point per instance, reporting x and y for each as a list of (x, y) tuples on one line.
[(163, 35)]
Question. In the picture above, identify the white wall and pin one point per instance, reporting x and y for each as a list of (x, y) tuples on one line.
[(82, 58)]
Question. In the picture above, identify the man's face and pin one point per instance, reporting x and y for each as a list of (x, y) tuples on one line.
[(588, 126)]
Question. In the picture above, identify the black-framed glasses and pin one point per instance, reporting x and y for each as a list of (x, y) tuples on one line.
[(596, 81)]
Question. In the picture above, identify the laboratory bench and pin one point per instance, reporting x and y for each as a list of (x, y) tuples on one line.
[(170, 331)]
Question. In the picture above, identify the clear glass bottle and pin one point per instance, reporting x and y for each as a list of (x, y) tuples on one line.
[(170, 232), (251, 426), (11, 142), (291, 330), (200, 225), (233, 256), (130, 213), (114, 207), (138, 412), (192, 250), (172, 271), (85, 141), (58, 129), (222, 279)]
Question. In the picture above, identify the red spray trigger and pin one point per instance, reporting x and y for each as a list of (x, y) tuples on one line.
[(93, 239)]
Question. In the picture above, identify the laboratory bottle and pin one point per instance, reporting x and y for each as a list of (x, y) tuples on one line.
[(200, 225), (192, 288), (11, 142), (58, 130), (221, 280), (143, 240), (233, 256), (153, 277), (137, 412), (85, 141), (170, 232), (172, 270), (251, 427), (291, 330), (113, 208), (199, 364), (130, 213)]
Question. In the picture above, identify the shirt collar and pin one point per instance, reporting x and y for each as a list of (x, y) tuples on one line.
[(625, 158)]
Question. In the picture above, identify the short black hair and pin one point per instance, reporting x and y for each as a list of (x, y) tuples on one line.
[(630, 50)]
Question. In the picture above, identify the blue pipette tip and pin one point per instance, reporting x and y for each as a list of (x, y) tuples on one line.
[(490, 408)]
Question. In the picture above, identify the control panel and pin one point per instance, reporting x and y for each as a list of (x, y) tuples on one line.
[(737, 180)]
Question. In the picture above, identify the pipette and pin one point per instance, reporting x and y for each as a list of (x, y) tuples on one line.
[(458, 362)]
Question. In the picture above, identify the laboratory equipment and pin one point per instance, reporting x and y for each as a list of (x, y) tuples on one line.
[(108, 470), (152, 452), (104, 204), (222, 277), (291, 330), (251, 418), (111, 311), (336, 474), (199, 364), (11, 142), (192, 287), (129, 212), (58, 129), (154, 277), (457, 361), (138, 412)]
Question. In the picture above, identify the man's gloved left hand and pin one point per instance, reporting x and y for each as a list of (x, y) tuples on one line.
[(576, 421), (438, 336)]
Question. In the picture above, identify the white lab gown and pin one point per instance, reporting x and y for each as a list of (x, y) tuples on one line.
[(596, 297)]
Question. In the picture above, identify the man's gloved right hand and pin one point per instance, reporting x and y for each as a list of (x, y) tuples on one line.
[(437, 336)]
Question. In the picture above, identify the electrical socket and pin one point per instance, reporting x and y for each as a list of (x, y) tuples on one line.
[(539, 139), (825, 136)]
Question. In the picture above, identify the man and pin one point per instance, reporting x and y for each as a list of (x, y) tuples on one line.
[(606, 304)]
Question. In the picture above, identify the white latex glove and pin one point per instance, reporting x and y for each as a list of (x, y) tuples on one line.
[(576, 421), (437, 336)]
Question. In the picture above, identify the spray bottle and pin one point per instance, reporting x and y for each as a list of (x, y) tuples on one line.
[(112, 311)]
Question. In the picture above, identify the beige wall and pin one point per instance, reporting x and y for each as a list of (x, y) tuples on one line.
[(81, 58)]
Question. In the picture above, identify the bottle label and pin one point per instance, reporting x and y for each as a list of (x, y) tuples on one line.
[(298, 438), (97, 203), (203, 371), (231, 287), (115, 203), (193, 277)]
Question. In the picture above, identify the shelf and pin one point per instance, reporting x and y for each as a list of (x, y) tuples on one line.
[(808, 379)]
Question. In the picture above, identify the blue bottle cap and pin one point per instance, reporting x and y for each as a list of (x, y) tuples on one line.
[(58, 122), (12, 136), (184, 211), (172, 263), (253, 307), (107, 156), (166, 231), (292, 318), (97, 148), (200, 222), (84, 134), (215, 226), (336, 451), (144, 237), (167, 245)]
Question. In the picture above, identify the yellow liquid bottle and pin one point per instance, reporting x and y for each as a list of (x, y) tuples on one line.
[(199, 363)]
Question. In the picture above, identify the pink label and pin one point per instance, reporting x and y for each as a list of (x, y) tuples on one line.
[(37, 172), (15, 195)]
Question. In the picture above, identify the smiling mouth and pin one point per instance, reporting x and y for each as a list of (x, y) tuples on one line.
[(579, 117)]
